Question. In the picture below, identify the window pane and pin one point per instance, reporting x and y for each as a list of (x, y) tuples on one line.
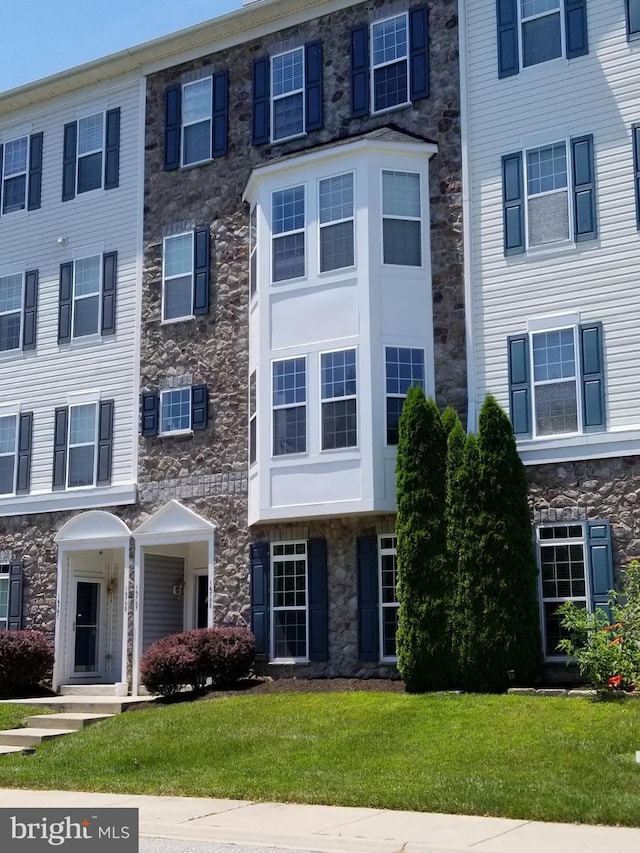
[(85, 316), (196, 101), (336, 198), (401, 242), (394, 410), (547, 168), (15, 156), (553, 355), (538, 7), (634, 16), (10, 332), (288, 257), (6, 474), (90, 172), (290, 430), (178, 301), (556, 408), (288, 116), (548, 218), (336, 246), (389, 630), (7, 454), (541, 39), (288, 210), (90, 134), (390, 86), (8, 434), (175, 410), (4, 599), (287, 72), (178, 255), (81, 465), (197, 142), (87, 276), (338, 374), (290, 634), (339, 424), (404, 367), (14, 194), (10, 312), (389, 39), (289, 381), (401, 194), (83, 424)]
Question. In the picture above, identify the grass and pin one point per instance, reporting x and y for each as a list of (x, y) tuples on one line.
[(520, 757), (15, 716)]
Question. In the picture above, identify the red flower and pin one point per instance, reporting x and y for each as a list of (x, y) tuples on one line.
[(615, 681), (612, 627), (616, 641)]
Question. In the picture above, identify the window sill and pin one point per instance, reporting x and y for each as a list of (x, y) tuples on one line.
[(84, 341), (589, 445), (9, 355), (173, 320), (196, 164), (178, 433), (392, 109), (290, 662), (540, 67), (300, 135)]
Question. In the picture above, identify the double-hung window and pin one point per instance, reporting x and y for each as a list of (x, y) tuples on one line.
[(633, 17), (388, 596), (290, 406), (8, 453), (287, 95), (253, 418), (83, 444), (87, 297), (549, 195), (196, 121), (531, 32), (21, 173), (185, 275), (288, 237), (11, 302), (404, 367), (90, 152), (91, 158), (335, 203), (4, 597), (390, 63), (556, 381), (81, 470), (174, 411), (289, 600), (401, 219), (339, 399)]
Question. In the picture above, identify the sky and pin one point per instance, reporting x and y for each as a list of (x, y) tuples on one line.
[(41, 37)]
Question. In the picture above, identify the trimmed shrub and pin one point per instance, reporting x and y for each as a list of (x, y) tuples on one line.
[(194, 658), (26, 660)]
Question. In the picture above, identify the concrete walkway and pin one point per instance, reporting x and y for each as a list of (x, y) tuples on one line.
[(336, 829)]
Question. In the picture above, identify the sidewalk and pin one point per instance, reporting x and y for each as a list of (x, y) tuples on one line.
[(337, 829)]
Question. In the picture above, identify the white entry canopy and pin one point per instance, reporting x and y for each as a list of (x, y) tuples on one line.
[(174, 523), (92, 528)]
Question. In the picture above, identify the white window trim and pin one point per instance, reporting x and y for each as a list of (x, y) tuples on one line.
[(388, 394), (381, 605), (174, 432), (322, 401), (253, 252), (97, 335), (556, 244), (273, 98), (7, 352), (252, 406), (322, 225), (166, 278), (563, 39), (419, 219), (16, 416), (577, 379), (276, 456), (583, 540), (6, 178), (102, 150), (184, 124), (4, 578), (74, 405), (303, 231), (373, 68), (272, 609)]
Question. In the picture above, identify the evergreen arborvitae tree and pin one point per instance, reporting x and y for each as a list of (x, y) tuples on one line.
[(509, 638), (422, 586), (450, 420)]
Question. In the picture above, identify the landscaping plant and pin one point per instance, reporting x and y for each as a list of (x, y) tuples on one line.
[(26, 660)]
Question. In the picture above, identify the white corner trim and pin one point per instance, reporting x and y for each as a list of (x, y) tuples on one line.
[(63, 501)]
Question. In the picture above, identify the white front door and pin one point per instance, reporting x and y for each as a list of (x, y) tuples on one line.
[(87, 640)]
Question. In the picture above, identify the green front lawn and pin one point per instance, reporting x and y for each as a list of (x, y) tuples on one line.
[(543, 759), (15, 717)]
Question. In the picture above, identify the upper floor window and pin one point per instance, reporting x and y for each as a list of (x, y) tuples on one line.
[(288, 238), (290, 406), (389, 62), (549, 195), (83, 445), (91, 158), (197, 109), (11, 299), (335, 202), (185, 275), (87, 303), (253, 251), (196, 121), (339, 399), (401, 219), (21, 173), (404, 367), (556, 380), (633, 17), (8, 453), (174, 411), (534, 31), (287, 94)]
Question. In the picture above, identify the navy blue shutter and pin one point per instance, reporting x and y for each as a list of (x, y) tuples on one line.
[(360, 71), (368, 616), (112, 150), (25, 433), (584, 189), (259, 582), (199, 406), (600, 563), (519, 386), (220, 114), (260, 112), (69, 161), (576, 28), (635, 130), (64, 303), (149, 412), (105, 442), (35, 171), (592, 369), (313, 85), (172, 111), (60, 448), (109, 279), (1, 161), (513, 204), (30, 311), (508, 50), (14, 614), (318, 601), (201, 271), (419, 53)]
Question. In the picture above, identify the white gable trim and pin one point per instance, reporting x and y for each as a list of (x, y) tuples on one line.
[(93, 528), (174, 523)]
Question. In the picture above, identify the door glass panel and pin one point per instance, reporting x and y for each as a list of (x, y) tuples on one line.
[(201, 601), (87, 609)]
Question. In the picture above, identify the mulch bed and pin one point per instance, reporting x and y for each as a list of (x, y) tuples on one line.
[(254, 686)]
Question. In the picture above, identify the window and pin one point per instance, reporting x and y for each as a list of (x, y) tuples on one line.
[(289, 620), (556, 197), (289, 406), (287, 94), (91, 158), (253, 251), (196, 121), (175, 411), (4, 597), (531, 32), (401, 225), (338, 389), (253, 419), (404, 367), (83, 445), (633, 17), (335, 202), (563, 391), (287, 226), (8, 453), (185, 275), (87, 299), (388, 579), (11, 296), (21, 173), (389, 62)]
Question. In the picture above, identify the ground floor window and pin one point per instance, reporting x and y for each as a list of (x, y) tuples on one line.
[(388, 577), (289, 599), (4, 597)]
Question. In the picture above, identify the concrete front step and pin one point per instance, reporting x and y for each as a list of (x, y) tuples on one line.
[(30, 737), (7, 750), (83, 704), (68, 720)]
